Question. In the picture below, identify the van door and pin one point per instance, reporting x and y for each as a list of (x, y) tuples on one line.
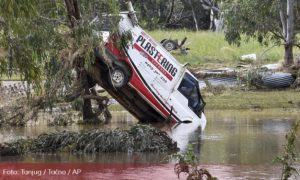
[(186, 99)]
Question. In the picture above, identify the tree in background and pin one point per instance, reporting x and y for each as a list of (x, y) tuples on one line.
[(216, 17), (190, 14), (267, 20)]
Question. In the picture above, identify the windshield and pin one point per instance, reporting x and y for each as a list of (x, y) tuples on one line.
[(189, 87)]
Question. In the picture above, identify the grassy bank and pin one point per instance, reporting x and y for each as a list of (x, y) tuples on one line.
[(238, 100), (209, 49), (247, 100)]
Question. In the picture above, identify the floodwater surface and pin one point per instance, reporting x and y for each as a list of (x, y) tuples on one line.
[(233, 145)]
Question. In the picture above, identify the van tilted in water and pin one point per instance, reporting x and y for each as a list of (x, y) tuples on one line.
[(147, 80)]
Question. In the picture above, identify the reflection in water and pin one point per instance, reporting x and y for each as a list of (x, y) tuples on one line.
[(187, 133), (243, 138), (233, 145), (119, 120)]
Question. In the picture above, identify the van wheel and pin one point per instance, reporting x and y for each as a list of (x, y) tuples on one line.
[(118, 77)]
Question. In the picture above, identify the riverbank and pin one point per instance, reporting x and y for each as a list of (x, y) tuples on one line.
[(216, 98), (257, 100), (253, 99)]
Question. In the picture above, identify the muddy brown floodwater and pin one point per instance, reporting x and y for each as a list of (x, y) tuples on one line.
[(233, 145)]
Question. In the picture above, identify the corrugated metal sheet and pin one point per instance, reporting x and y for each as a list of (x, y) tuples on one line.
[(221, 81)]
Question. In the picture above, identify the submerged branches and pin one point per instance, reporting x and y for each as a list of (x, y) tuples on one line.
[(139, 138), (18, 114), (188, 164)]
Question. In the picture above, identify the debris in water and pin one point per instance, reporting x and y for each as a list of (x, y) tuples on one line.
[(62, 119), (139, 138), (17, 113), (249, 57)]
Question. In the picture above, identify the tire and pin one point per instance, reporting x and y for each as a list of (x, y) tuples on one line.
[(169, 45), (118, 77), (278, 80)]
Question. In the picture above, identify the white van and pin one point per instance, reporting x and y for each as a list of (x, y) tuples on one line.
[(147, 80)]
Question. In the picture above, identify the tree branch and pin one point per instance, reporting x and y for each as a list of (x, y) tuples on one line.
[(69, 10), (276, 34), (290, 21), (178, 21), (171, 12), (283, 22), (263, 53), (95, 97), (2, 22), (76, 9), (297, 45), (73, 11), (194, 16), (53, 20)]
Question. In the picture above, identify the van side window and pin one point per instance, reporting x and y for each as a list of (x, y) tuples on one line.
[(189, 87)]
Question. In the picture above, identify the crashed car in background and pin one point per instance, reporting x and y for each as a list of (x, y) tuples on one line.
[(146, 79)]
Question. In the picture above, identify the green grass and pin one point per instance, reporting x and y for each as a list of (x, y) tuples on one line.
[(237, 99), (246, 100), (14, 77), (210, 48)]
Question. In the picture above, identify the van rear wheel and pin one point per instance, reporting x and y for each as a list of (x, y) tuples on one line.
[(118, 77)]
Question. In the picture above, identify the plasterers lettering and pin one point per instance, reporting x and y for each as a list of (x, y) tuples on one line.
[(156, 55)]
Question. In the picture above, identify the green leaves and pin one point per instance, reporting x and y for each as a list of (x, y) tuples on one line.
[(187, 157), (266, 20), (13, 11), (291, 155), (253, 18), (32, 32)]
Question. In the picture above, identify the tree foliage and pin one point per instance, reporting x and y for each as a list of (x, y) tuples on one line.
[(189, 14), (38, 30), (265, 20), (46, 40)]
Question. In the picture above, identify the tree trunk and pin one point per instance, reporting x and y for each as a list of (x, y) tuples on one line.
[(288, 55), (74, 17), (171, 12), (87, 111), (290, 34), (73, 11), (194, 16)]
